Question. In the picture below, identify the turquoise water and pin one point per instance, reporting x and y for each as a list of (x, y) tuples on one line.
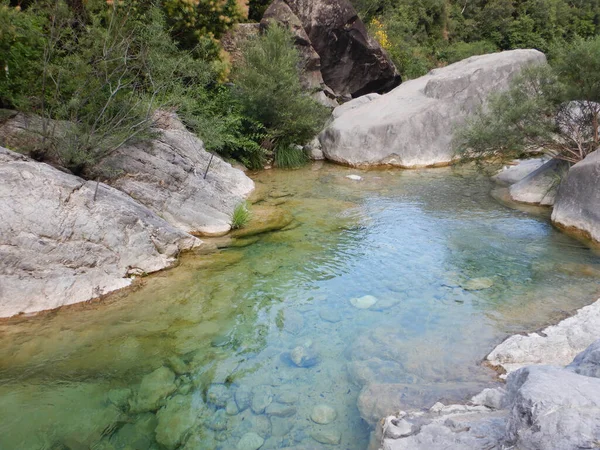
[(273, 324)]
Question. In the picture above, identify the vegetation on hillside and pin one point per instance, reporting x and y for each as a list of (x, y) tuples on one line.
[(422, 34), (551, 108)]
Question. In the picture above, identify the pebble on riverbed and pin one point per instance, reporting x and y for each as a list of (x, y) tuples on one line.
[(323, 414), (364, 302)]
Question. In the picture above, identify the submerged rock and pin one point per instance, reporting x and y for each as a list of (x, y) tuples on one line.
[(250, 441), (364, 302), (243, 397), (262, 396), (577, 205), (67, 240), (139, 434), (153, 390), (477, 284), (218, 395), (280, 410), (303, 356), (323, 414), (412, 126), (175, 419), (327, 436)]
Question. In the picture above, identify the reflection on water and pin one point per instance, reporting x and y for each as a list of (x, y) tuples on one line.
[(236, 349)]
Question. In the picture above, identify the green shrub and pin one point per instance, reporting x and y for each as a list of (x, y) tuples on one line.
[(269, 91), (290, 157), (241, 216)]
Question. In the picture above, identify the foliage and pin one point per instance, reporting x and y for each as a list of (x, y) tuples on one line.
[(290, 157), (241, 216), (555, 109), (21, 50), (269, 91), (423, 34)]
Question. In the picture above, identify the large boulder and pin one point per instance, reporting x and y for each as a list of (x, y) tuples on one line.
[(540, 186), (350, 62), (518, 170), (167, 175), (65, 240), (577, 204), (413, 125)]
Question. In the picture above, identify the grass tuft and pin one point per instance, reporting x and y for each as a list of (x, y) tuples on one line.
[(241, 216)]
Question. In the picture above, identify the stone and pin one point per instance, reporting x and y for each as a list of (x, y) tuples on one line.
[(557, 344), (313, 150), (139, 434), (540, 186), (293, 322), (231, 408), (120, 397), (354, 177), (153, 390), (287, 397), (577, 205), (167, 176), (243, 397), (552, 408), (262, 396), (218, 421), (302, 356), (263, 220), (490, 397), (477, 284), (332, 40), (364, 302), (588, 361), (518, 170), (218, 394), (60, 246), (250, 441), (281, 426), (323, 414), (175, 419), (330, 315), (395, 428), (280, 410), (413, 125), (354, 103), (327, 436)]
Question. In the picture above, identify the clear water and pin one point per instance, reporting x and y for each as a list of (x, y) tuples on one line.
[(231, 321)]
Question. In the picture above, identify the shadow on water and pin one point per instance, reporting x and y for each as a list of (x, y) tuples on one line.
[(250, 339)]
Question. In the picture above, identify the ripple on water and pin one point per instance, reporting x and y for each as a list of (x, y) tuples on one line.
[(239, 348)]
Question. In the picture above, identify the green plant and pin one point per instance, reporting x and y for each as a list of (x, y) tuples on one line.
[(269, 91), (290, 157), (241, 215)]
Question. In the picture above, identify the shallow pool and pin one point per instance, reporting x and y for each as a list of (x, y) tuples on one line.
[(402, 281)]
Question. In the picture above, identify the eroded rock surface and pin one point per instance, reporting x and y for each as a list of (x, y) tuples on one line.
[(167, 176), (65, 240), (413, 125), (557, 344), (578, 201), (542, 408), (518, 170)]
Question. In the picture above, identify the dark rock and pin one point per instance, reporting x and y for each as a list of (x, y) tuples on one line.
[(350, 62)]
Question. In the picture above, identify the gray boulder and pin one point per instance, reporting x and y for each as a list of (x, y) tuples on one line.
[(167, 176), (65, 240), (354, 103), (552, 408), (518, 170), (577, 204), (412, 126), (540, 186), (588, 361)]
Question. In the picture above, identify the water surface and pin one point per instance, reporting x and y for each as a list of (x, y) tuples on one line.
[(453, 272)]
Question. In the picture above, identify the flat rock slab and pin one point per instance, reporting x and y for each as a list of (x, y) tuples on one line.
[(59, 245), (412, 126), (540, 186), (556, 344), (518, 170)]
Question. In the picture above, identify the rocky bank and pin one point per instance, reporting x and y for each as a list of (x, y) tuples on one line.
[(65, 240)]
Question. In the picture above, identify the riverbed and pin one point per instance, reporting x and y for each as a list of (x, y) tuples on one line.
[(400, 280)]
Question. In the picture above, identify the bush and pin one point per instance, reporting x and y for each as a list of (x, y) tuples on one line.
[(269, 91), (241, 216), (555, 109)]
